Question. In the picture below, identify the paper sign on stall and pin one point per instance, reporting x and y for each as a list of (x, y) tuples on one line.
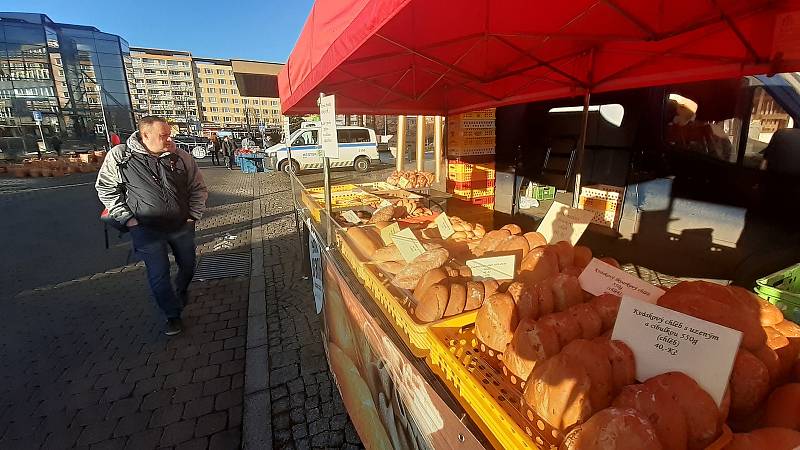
[(494, 268), (600, 278), (351, 217), (663, 340), (403, 183), (328, 134), (388, 231), (408, 244), (562, 223), (444, 225), (384, 203)]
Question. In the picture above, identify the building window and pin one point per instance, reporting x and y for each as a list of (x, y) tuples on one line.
[(212, 99), (236, 101), (244, 101), (236, 110), (223, 91), (211, 90), (223, 100), (264, 102), (210, 80), (220, 72), (227, 110), (214, 109), (205, 109), (233, 82), (208, 71), (215, 118)]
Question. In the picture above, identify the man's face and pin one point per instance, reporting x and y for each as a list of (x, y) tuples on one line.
[(157, 137)]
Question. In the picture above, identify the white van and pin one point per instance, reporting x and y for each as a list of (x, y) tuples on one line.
[(358, 149)]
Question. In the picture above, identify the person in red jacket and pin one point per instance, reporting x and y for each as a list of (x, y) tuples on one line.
[(115, 140)]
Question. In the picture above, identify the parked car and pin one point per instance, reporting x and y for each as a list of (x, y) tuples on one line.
[(197, 146), (358, 149)]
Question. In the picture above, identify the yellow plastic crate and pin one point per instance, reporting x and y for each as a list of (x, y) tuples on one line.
[(468, 194), (480, 114), (458, 124), (604, 201), (471, 133), (471, 142), (462, 172), (397, 309), (458, 151)]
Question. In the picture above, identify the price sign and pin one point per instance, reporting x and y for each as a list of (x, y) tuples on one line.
[(403, 183), (351, 217), (384, 203), (408, 244), (327, 117), (663, 340), (562, 223), (286, 130), (444, 225), (388, 231), (599, 278), (494, 268)]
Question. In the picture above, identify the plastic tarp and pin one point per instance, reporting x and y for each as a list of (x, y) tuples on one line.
[(444, 57)]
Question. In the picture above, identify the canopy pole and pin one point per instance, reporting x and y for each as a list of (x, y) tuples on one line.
[(438, 145), (326, 170), (581, 147), (401, 143), (420, 143)]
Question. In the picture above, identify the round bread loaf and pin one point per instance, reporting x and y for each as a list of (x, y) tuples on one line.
[(588, 318), (475, 295), (432, 305), (566, 254), (429, 279), (491, 240), (583, 256), (558, 391), (496, 321), (772, 438), (540, 264), (512, 228), (514, 245), (783, 407), (788, 329), (607, 306), (532, 342), (526, 296), (457, 300), (613, 429), (771, 361), (546, 301), (623, 364), (768, 314), (593, 356), (749, 384), (489, 288), (566, 291), (567, 327), (661, 410), (391, 267), (702, 414), (365, 241), (535, 239)]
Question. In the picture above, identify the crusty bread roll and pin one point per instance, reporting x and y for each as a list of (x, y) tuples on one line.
[(575, 271), (427, 261), (388, 253), (526, 297), (588, 318), (514, 245), (661, 410), (593, 356), (432, 305), (491, 240), (475, 295), (749, 384), (512, 228), (535, 239), (613, 429), (479, 230), (489, 288), (583, 256), (783, 407), (532, 342), (703, 421), (357, 399), (768, 313), (365, 240), (607, 306), (546, 300), (567, 327), (496, 321), (788, 329), (429, 279), (623, 364), (771, 361), (611, 261), (566, 254), (558, 391), (391, 267), (540, 264), (457, 300), (772, 438), (566, 291)]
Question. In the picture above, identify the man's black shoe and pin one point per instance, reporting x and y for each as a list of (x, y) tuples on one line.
[(174, 326)]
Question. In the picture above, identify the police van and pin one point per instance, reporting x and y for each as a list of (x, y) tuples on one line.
[(358, 148)]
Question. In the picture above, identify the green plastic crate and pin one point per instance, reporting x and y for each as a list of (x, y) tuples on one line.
[(544, 192), (782, 289)]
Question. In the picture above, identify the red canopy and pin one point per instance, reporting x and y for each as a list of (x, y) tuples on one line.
[(444, 57)]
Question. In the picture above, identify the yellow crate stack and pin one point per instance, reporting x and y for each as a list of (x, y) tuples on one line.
[(471, 134)]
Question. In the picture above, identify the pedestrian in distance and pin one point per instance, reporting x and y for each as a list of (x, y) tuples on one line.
[(229, 150), (55, 142), (157, 192), (215, 148)]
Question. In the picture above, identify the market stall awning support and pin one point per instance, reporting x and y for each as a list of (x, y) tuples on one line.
[(420, 143), (400, 154), (438, 143), (580, 151)]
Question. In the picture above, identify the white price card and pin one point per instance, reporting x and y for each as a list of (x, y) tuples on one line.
[(384, 203), (562, 223), (388, 231), (351, 217), (600, 278), (444, 225), (327, 118), (408, 244), (403, 183), (663, 340), (495, 268)]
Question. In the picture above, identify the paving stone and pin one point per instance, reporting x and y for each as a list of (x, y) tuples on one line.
[(194, 444), (211, 423), (228, 399), (221, 357), (198, 407), (225, 440), (217, 385), (124, 407), (178, 432), (112, 444), (178, 379), (96, 432), (157, 399), (166, 415), (132, 424), (187, 392), (205, 373)]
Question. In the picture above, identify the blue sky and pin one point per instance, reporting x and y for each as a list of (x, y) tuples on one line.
[(245, 29)]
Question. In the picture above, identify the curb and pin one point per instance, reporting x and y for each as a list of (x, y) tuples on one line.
[(256, 413)]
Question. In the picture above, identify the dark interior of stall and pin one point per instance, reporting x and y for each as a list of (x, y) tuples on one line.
[(698, 202)]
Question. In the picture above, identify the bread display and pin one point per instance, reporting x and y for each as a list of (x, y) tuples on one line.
[(532, 342), (496, 321), (408, 277), (613, 429), (410, 179), (661, 409)]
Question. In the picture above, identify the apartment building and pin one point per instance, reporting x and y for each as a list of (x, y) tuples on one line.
[(164, 85), (221, 100)]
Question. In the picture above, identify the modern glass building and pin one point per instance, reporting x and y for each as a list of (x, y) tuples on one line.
[(77, 76)]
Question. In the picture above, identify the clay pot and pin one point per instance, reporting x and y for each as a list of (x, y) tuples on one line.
[(34, 172)]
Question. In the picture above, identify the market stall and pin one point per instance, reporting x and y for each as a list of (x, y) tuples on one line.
[(442, 331)]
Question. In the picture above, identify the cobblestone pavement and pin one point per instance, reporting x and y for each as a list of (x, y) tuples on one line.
[(83, 362)]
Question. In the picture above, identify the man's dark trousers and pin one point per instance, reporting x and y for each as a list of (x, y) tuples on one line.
[(215, 158), (152, 246)]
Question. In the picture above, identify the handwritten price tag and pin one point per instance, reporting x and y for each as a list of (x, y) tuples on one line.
[(408, 244), (444, 225), (663, 340), (494, 268), (351, 217), (599, 278), (388, 231), (562, 223), (403, 183)]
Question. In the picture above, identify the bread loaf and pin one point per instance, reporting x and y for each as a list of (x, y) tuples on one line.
[(593, 356), (583, 256), (623, 364), (558, 391), (588, 318), (388, 253), (661, 410), (546, 301), (566, 291), (496, 321), (526, 297), (540, 264), (475, 295), (384, 214), (532, 342), (535, 239), (566, 254), (768, 314), (607, 306), (765, 439), (457, 300), (512, 228), (783, 407), (567, 327), (702, 415), (391, 267), (771, 361), (365, 241), (489, 288), (613, 429), (514, 245), (749, 384), (491, 240), (411, 274), (429, 279), (432, 305)]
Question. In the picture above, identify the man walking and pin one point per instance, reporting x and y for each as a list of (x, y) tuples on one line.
[(228, 149), (215, 147), (157, 192)]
